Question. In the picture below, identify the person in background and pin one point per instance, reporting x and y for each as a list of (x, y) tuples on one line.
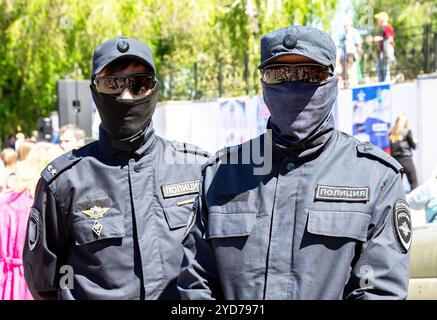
[(402, 144), (351, 46), (20, 137), (384, 47), (424, 197), (71, 137), (9, 142), (9, 158), (24, 149), (15, 204), (34, 136), (2, 174)]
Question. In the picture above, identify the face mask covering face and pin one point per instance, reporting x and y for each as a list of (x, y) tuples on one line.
[(298, 108), (125, 118)]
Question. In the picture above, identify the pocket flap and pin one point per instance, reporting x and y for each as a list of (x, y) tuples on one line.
[(112, 227), (177, 217), (230, 225), (339, 224)]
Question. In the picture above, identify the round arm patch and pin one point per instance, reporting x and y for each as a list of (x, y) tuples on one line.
[(402, 225), (34, 230)]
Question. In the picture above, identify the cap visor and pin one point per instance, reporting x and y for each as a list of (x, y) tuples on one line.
[(262, 65)]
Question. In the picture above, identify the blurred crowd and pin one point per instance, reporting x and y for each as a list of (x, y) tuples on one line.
[(420, 197), (350, 52), (22, 161), (18, 149)]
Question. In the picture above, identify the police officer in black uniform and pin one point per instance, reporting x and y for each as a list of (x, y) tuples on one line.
[(328, 221), (108, 218)]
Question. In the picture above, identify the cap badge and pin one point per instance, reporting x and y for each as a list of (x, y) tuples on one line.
[(123, 46), (290, 40)]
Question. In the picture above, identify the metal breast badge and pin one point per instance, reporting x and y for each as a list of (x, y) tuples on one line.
[(96, 213)]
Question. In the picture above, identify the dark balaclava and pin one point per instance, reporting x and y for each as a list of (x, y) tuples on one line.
[(124, 118), (297, 108)]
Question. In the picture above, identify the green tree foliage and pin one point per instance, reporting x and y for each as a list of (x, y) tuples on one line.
[(42, 41)]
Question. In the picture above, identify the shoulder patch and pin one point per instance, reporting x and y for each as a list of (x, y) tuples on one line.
[(402, 224), (189, 148), (373, 152), (59, 165)]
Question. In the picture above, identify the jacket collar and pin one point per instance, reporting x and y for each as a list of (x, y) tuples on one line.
[(309, 148), (135, 146)]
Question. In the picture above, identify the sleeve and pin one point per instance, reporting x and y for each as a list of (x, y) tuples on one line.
[(410, 140), (357, 37), (45, 245), (198, 278), (388, 32), (381, 268), (419, 197)]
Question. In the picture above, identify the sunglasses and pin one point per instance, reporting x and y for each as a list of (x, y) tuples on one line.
[(137, 83), (304, 72)]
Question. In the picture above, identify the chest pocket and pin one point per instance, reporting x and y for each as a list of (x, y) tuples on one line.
[(177, 216), (232, 215), (344, 224), (112, 227), (229, 225)]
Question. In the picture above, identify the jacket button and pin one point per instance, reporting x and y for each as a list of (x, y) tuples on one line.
[(138, 167), (290, 166)]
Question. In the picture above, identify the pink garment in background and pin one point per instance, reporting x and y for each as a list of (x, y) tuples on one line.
[(14, 213)]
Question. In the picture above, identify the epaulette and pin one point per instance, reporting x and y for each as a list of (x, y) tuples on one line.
[(369, 150), (220, 154), (59, 165), (189, 148)]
